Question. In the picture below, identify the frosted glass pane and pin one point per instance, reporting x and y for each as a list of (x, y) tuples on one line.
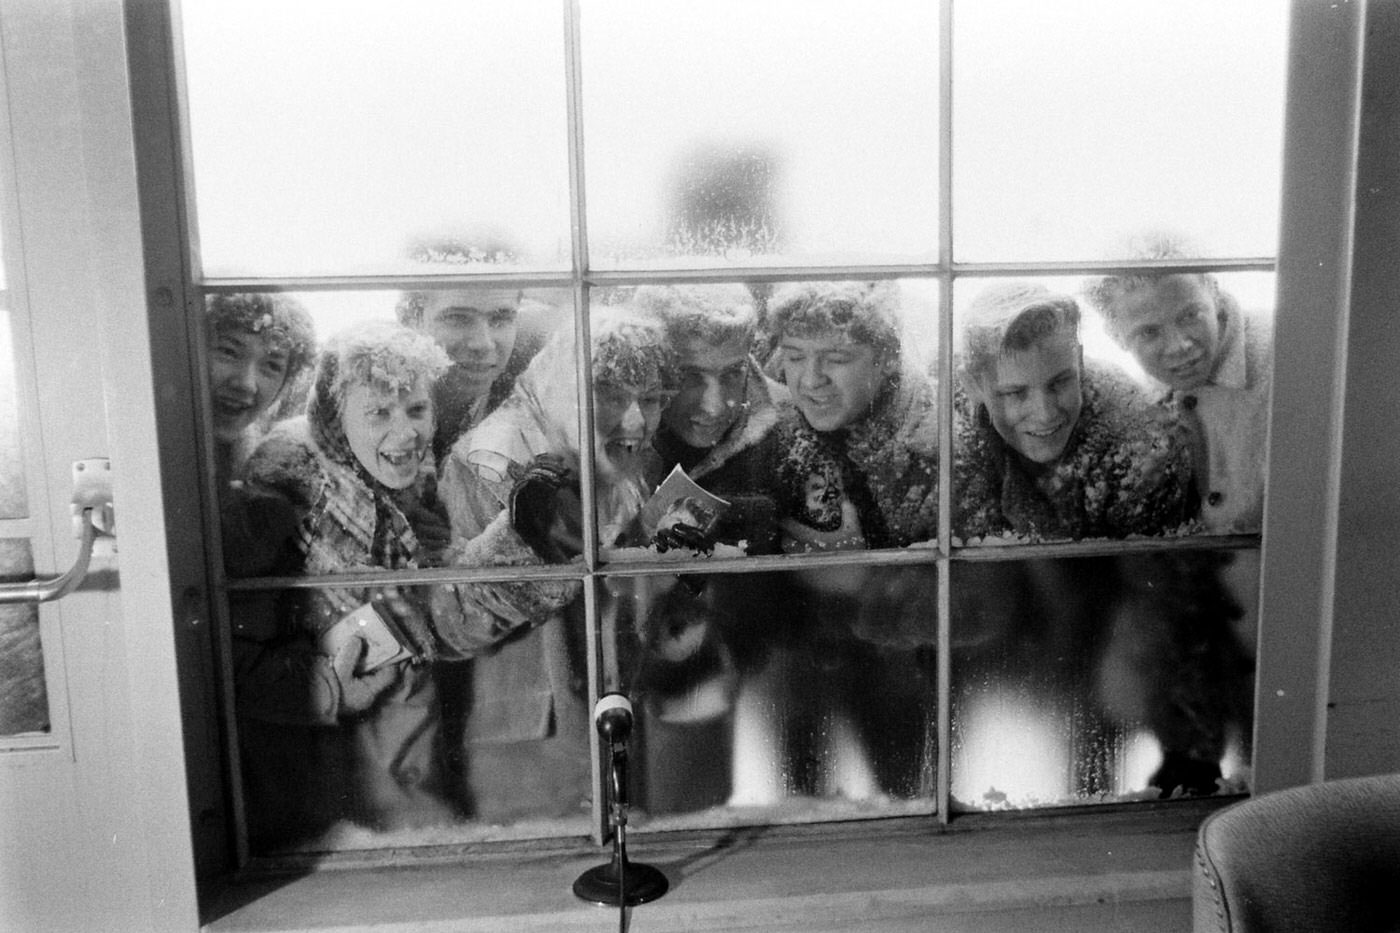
[(1057, 442), (1097, 679), (1078, 124), (777, 697), (14, 501), (326, 136), (736, 132), (24, 703), (488, 336)]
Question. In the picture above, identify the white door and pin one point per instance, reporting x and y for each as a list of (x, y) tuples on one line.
[(94, 823)]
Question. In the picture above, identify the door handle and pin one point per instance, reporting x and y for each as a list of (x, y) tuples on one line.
[(92, 503)]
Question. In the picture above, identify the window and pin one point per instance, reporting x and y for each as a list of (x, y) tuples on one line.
[(507, 181)]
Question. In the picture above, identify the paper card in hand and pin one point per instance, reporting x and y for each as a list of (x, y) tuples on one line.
[(680, 499), (384, 645)]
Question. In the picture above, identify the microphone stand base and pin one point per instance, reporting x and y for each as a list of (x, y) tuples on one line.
[(599, 885)]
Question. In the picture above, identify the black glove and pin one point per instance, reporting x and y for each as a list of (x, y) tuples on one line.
[(683, 535), (545, 509), (427, 515)]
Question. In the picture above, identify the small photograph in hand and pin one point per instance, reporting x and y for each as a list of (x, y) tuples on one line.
[(384, 644), (680, 500)]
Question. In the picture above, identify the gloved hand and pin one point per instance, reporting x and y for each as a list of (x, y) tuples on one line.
[(545, 509), (359, 691), (431, 526), (682, 534)]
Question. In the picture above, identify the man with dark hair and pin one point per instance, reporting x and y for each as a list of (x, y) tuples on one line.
[(720, 425)]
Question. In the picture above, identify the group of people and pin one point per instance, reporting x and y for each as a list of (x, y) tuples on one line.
[(451, 438)]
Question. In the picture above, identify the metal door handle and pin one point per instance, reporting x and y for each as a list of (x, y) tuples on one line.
[(41, 591), (92, 508)]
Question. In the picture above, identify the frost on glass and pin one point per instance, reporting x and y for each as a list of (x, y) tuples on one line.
[(1096, 679), (776, 697), (1076, 125), (736, 133), (735, 420), (327, 138), (24, 703), (1128, 405), (271, 454), (382, 716), (14, 501)]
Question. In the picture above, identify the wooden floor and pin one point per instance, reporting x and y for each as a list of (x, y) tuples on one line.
[(1125, 871)]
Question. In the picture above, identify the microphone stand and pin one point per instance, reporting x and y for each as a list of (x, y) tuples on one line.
[(620, 882)]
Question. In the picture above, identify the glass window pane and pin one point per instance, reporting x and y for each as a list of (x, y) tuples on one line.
[(1068, 428), (24, 700), (737, 133), (850, 464), (1098, 679), (777, 697), (362, 722), (281, 437), (328, 138), (1076, 125)]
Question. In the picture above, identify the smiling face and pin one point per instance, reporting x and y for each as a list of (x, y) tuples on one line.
[(477, 327), (714, 379), (833, 379), (625, 417), (390, 432), (1173, 328), (246, 372), (1034, 396)]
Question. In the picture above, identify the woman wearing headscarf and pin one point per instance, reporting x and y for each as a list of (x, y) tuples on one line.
[(324, 738)]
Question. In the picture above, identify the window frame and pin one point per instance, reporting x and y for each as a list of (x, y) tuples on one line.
[(1294, 577)]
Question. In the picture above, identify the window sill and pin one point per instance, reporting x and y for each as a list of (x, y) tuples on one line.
[(1079, 871)]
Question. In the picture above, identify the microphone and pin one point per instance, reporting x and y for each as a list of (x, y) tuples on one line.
[(612, 715), (620, 883)]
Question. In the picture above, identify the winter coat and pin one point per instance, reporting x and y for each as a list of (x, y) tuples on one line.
[(381, 767), (299, 480), (884, 468), (1226, 423), (1125, 471)]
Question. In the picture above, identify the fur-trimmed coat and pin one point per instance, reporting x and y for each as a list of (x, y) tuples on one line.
[(1126, 470)]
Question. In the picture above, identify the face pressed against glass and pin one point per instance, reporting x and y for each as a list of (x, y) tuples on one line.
[(1034, 397), (714, 378), (389, 432), (833, 379), (624, 419), (477, 328), (1173, 328), (246, 372)]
